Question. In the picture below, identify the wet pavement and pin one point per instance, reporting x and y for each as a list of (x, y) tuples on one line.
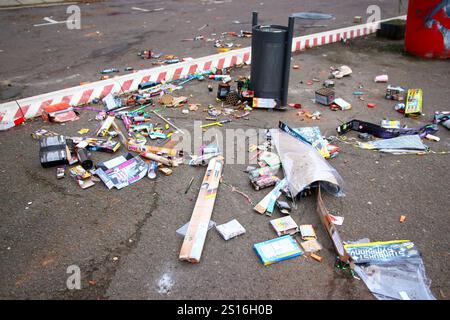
[(124, 241)]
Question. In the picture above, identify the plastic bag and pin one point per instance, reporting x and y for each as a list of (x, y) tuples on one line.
[(303, 165), (402, 280), (392, 270)]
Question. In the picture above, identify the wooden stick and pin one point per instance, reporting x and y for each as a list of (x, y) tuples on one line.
[(168, 122)]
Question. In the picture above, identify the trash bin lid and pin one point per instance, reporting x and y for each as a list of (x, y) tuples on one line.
[(271, 28)]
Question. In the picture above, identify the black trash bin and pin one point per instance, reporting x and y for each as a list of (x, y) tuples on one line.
[(271, 58)]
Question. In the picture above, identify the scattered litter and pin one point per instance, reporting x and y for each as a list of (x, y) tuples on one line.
[(303, 165), (41, 133), (284, 225), (263, 178), (295, 105), (278, 249), (443, 118), (325, 96), (262, 103), (312, 136), (382, 78), (311, 246), (338, 244), (328, 84), (60, 172), (391, 270), (341, 72), (395, 93), (152, 168), (218, 123), (124, 174), (79, 173), (408, 143), (267, 204), (230, 229), (165, 171), (316, 257), (390, 124), (83, 131), (432, 137), (60, 112), (339, 221), (365, 136), (53, 151), (192, 247), (299, 152), (284, 207), (380, 132), (413, 106), (234, 189), (342, 104), (307, 232)]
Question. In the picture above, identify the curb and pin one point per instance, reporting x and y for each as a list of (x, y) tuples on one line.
[(31, 107)]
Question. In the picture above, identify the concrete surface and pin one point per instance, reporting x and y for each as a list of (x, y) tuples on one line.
[(65, 225), (29, 3)]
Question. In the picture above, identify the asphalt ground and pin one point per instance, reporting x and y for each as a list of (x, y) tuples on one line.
[(124, 241), (45, 58)]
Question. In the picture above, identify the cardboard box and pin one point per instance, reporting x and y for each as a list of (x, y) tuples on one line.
[(307, 232), (277, 249), (325, 96), (284, 225), (414, 103)]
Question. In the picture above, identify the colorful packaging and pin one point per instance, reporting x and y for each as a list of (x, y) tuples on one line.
[(277, 249), (414, 103), (284, 225)]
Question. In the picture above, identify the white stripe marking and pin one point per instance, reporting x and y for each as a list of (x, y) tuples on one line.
[(140, 9)]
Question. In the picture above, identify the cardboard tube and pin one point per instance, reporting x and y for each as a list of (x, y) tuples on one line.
[(152, 156)]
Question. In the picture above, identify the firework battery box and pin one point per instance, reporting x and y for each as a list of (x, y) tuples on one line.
[(53, 151), (223, 90), (395, 93), (325, 96), (414, 101)]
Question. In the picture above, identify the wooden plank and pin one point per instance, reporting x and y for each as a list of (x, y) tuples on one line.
[(193, 243)]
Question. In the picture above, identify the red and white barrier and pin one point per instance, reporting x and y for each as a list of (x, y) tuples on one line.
[(79, 95)]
